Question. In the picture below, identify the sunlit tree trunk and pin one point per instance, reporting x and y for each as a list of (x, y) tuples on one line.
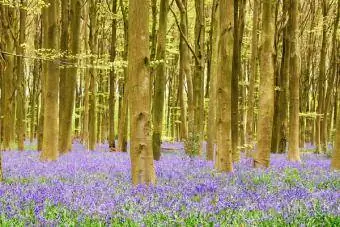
[(214, 39), (234, 85), (294, 81), (251, 100), (142, 166), (332, 78), (36, 75), (198, 79), (93, 44), (8, 91), (283, 98), (320, 143), (51, 109), (112, 91), (266, 89), (123, 114), (335, 164), (20, 81), (184, 72), (223, 161), (160, 82)]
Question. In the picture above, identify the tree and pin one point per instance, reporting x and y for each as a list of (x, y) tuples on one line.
[(320, 143), (112, 78), (214, 39), (294, 131), (223, 161), (20, 125), (51, 123), (7, 19), (142, 167), (124, 88), (251, 100), (93, 44), (335, 164), (284, 81), (160, 81), (266, 89), (198, 79)]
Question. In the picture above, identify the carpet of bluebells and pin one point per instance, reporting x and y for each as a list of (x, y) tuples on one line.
[(87, 188)]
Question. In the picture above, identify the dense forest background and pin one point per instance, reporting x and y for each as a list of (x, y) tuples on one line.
[(236, 74)]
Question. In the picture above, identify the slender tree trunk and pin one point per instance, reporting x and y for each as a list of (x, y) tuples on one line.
[(142, 167), (93, 44), (335, 164), (21, 126), (65, 123), (332, 78), (85, 133), (283, 98), (198, 80), (112, 98), (51, 123), (36, 76), (320, 143), (123, 119), (223, 161), (234, 85), (184, 71), (294, 96), (251, 100), (214, 39), (266, 89), (160, 82)]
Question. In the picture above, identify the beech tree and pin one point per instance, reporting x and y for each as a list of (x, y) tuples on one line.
[(223, 161), (50, 147), (266, 89), (142, 167)]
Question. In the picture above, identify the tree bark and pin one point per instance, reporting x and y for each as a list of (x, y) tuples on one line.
[(214, 39), (160, 82), (266, 89), (112, 98), (93, 44), (51, 109), (251, 100), (294, 82), (142, 166), (198, 80), (283, 98), (223, 161), (21, 98)]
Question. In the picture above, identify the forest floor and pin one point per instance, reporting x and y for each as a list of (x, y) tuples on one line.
[(94, 189)]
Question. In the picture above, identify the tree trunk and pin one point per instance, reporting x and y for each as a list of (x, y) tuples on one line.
[(142, 166), (266, 89), (8, 91), (234, 85), (198, 80), (51, 123), (251, 100), (283, 98), (335, 164), (112, 98), (160, 82), (123, 119), (214, 39), (93, 44), (20, 125), (223, 161), (35, 83), (294, 79), (320, 143)]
